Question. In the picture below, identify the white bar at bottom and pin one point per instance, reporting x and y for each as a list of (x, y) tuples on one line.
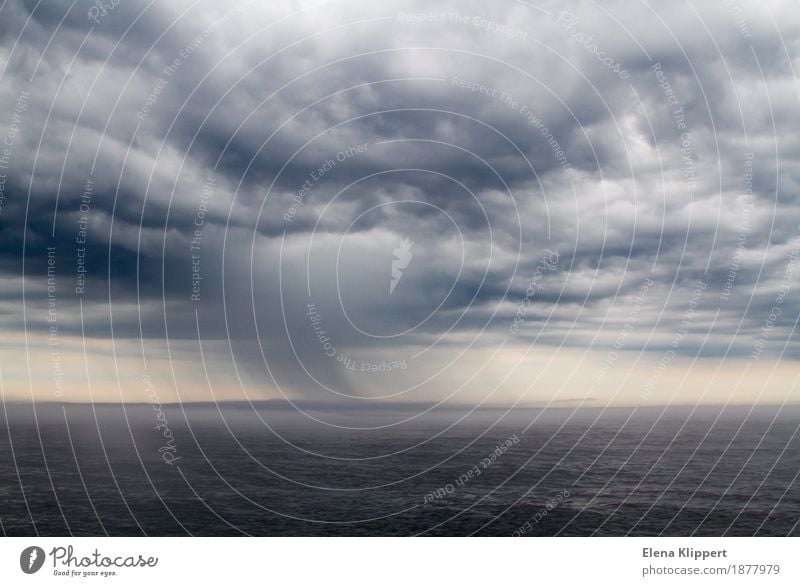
[(402, 561)]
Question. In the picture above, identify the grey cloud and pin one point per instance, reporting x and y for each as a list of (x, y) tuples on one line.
[(616, 203)]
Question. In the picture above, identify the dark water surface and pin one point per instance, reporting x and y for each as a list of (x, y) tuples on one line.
[(84, 470)]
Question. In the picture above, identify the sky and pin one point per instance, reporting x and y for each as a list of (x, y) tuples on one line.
[(350, 203)]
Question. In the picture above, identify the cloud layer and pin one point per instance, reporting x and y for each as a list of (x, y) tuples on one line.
[(602, 201)]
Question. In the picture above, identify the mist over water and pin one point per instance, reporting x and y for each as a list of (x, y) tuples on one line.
[(231, 469)]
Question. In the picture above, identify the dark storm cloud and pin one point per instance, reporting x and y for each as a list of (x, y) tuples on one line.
[(512, 141)]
